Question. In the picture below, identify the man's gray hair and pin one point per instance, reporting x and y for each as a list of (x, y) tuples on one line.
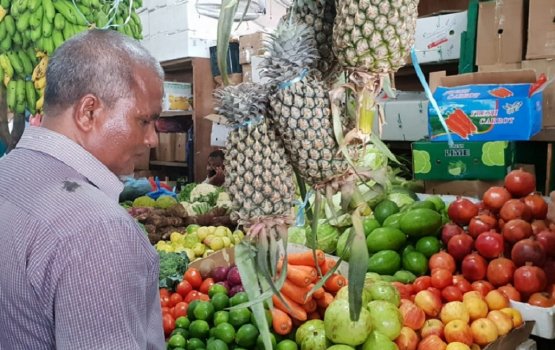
[(99, 62)]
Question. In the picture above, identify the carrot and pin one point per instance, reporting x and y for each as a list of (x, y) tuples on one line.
[(300, 275), (328, 264), (318, 293), (325, 301), (335, 283), (295, 293), (294, 310), (310, 306), (299, 269), (281, 322), (306, 258), (314, 316)]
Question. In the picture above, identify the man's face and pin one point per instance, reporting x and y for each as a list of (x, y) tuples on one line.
[(124, 133)]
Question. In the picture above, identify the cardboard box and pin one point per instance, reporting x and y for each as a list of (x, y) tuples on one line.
[(463, 160), (544, 317), (255, 70), (177, 96), (500, 67), (220, 130), (166, 149), (406, 117), (500, 32), (247, 72), (488, 106), (468, 188), (180, 147), (173, 45), (250, 45), (430, 7), (438, 38), (547, 67), (541, 29)]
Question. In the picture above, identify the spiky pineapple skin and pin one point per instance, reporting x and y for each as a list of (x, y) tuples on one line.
[(374, 35), (302, 114)]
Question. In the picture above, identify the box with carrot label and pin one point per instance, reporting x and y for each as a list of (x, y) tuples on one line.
[(488, 106)]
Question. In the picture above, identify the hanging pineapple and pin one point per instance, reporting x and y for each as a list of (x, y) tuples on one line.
[(259, 181)]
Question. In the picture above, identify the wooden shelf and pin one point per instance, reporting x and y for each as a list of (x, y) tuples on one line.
[(167, 114), (164, 163), (546, 135), (177, 64)]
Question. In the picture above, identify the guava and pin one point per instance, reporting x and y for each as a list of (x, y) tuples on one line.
[(386, 318), (339, 327), (384, 291), (377, 340)]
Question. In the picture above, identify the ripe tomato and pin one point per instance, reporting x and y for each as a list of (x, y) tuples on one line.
[(165, 301), (203, 297), (180, 309), (192, 295), (175, 298), (441, 278), (164, 292), (183, 288), (206, 284), (451, 293), (421, 283), (193, 276), (168, 323), (443, 260), (165, 310)]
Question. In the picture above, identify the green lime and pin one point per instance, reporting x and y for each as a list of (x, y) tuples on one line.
[(181, 331), (393, 220), (182, 322), (404, 276), (204, 311), (220, 301), (385, 209), (439, 204), (407, 249), (415, 262), (216, 344), (195, 343), (177, 340), (238, 317), (246, 335), (191, 309), (385, 262), (260, 341), (287, 344), (268, 318), (428, 246), (221, 317), (370, 225), (239, 298), (225, 332), (199, 329), (212, 333), (215, 289)]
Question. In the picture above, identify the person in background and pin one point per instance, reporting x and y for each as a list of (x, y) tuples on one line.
[(76, 271), (215, 168)]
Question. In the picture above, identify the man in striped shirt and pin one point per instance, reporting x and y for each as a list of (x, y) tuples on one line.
[(76, 271)]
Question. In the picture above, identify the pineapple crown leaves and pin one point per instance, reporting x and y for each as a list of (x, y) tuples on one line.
[(290, 50), (243, 104)]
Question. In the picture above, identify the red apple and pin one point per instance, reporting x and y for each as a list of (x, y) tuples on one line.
[(432, 342), (407, 339), (462, 283), (413, 316), (454, 310), (441, 278), (460, 331), (460, 246), (429, 302), (489, 244), (432, 326), (474, 267), (452, 293), (547, 239), (482, 287), (500, 271), (502, 321), (449, 230)]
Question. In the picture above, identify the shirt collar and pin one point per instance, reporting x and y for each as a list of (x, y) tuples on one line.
[(73, 155)]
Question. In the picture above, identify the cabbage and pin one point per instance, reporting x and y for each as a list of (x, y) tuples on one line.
[(327, 238), (401, 199), (373, 159), (297, 235)]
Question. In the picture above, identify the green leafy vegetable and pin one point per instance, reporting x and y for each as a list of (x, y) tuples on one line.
[(185, 194), (172, 268)]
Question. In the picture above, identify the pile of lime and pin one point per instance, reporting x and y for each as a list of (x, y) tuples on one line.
[(421, 162), (493, 153)]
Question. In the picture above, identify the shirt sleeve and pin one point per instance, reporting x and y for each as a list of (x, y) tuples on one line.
[(106, 296)]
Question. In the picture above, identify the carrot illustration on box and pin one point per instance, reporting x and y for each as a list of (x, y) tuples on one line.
[(501, 92), (460, 124)]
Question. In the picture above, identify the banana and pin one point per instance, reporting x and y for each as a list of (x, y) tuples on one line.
[(26, 62), (23, 21), (17, 40), (6, 44), (16, 62), (46, 28), (36, 33), (68, 11), (40, 83), (59, 21), (1, 72), (3, 31), (20, 91), (40, 68), (48, 45), (101, 19), (68, 30), (49, 10), (14, 9), (11, 95), (5, 4), (32, 5), (21, 5), (3, 12), (32, 56), (30, 96), (57, 38), (10, 24), (7, 67), (36, 18), (40, 102)]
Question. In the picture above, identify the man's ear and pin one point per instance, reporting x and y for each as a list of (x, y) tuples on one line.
[(85, 111)]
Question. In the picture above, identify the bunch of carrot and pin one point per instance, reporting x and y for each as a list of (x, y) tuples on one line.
[(302, 275)]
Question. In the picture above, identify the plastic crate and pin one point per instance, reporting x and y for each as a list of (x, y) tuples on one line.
[(544, 317)]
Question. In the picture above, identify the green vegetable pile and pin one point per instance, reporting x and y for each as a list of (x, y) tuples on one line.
[(172, 268)]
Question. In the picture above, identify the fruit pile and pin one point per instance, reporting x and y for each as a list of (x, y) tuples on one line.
[(505, 240), (200, 241), (30, 30)]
